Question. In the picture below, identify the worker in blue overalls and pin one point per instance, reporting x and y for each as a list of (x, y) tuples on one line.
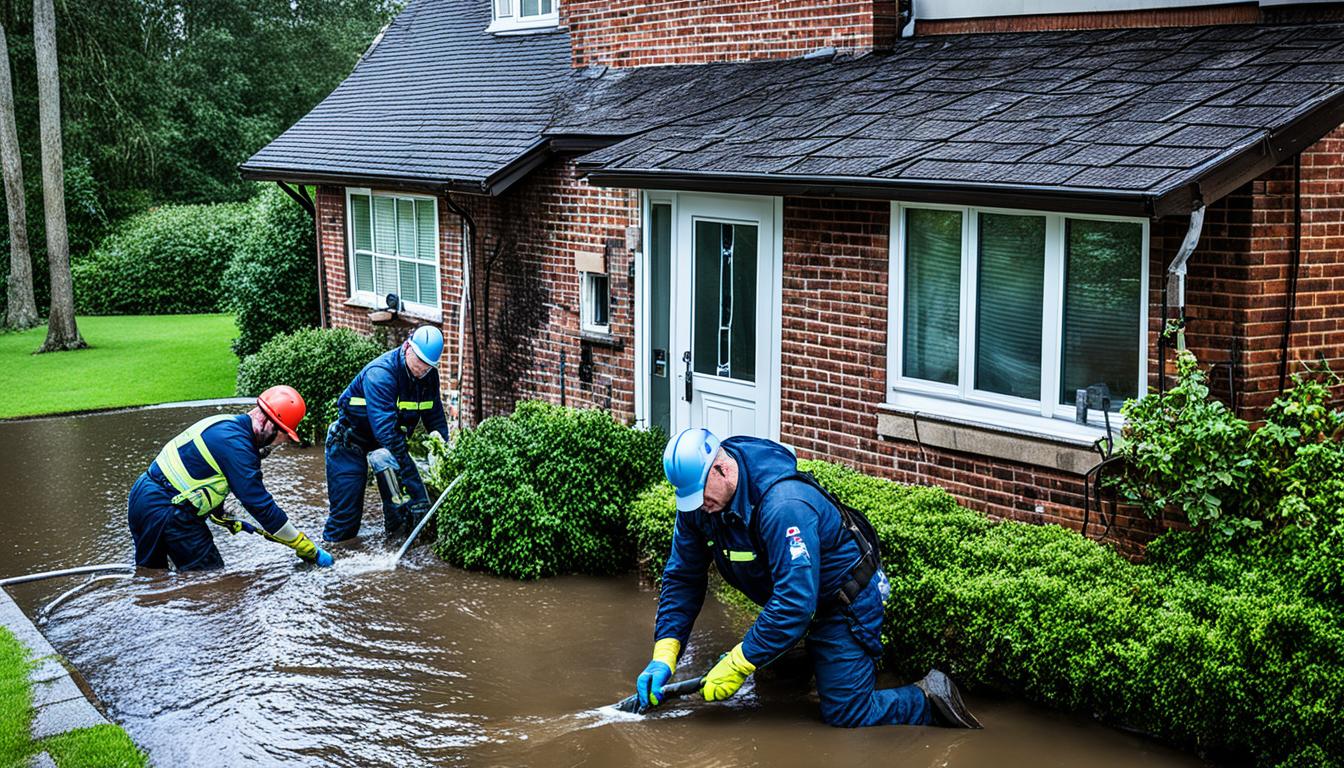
[(809, 561), (189, 480), (379, 409)]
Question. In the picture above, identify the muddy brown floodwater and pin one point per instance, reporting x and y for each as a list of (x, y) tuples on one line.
[(272, 662)]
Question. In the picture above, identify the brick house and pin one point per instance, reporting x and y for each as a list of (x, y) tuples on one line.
[(901, 241)]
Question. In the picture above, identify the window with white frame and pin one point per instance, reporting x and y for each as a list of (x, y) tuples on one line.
[(393, 247), (523, 15), (1015, 310), (595, 302)]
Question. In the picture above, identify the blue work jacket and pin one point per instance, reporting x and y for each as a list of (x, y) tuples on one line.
[(383, 405), (234, 449), (780, 541)]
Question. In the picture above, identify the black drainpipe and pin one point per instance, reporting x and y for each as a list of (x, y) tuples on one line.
[(469, 225), (1292, 272)]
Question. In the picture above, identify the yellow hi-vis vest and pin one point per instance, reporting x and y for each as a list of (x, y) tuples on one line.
[(204, 493)]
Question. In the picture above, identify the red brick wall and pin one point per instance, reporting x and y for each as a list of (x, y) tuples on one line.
[(835, 312), (527, 240), (630, 33), (1239, 279)]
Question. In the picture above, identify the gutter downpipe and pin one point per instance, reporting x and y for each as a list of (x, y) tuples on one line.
[(1176, 285), (468, 225), (1294, 269)]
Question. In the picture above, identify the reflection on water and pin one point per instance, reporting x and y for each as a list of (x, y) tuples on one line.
[(272, 661)]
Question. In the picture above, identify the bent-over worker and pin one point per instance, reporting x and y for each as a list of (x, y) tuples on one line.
[(193, 474), (810, 562)]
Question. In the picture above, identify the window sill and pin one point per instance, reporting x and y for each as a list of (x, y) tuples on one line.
[(411, 313), (537, 27), (991, 432), (601, 339)]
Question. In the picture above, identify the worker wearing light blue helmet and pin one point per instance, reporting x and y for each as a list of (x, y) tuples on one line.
[(812, 563), (382, 406)]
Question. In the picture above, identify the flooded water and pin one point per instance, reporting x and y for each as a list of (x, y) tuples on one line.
[(272, 661)]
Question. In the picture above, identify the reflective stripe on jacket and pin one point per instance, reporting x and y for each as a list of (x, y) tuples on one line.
[(204, 494)]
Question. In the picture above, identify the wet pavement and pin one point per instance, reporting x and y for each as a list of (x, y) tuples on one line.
[(272, 661)]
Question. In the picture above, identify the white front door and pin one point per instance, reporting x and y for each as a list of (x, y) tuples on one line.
[(724, 315)]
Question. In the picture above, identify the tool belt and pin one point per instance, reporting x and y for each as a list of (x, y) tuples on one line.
[(344, 434), (855, 584)]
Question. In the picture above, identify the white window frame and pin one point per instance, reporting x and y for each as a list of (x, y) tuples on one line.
[(586, 304), (961, 400), (515, 23), (371, 298)]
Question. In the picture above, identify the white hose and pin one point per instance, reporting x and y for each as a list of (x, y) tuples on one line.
[(67, 572), (411, 539), (45, 613)]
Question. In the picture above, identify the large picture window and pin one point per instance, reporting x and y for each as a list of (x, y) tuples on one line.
[(394, 247), (1015, 310)]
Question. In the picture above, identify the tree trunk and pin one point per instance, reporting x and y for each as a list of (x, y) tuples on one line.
[(61, 330), (21, 311)]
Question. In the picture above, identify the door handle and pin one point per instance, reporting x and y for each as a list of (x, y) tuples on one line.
[(686, 358)]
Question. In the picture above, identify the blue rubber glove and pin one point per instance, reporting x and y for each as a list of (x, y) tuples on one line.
[(650, 684), (323, 558)]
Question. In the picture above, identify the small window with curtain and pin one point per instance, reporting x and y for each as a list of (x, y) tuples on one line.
[(1015, 310), (393, 247), (523, 15)]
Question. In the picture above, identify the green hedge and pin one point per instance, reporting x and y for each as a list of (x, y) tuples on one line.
[(272, 280), (1211, 652), (318, 362), (544, 491), (166, 261)]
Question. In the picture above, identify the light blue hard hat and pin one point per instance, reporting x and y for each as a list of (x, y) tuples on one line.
[(686, 462), (427, 342)]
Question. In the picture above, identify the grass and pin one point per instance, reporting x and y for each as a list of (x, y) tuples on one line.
[(131, 360), (102, 746)]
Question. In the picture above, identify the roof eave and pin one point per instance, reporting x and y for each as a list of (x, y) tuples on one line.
[(390, 182), (1222, 176), (1063, 199)]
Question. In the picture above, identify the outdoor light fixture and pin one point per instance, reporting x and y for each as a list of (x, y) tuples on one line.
[(393, 302)]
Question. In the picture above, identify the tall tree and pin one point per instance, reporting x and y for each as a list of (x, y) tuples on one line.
[(61, 330), (21, 307)]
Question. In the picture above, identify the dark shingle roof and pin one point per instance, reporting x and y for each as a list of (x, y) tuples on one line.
[(1152, 118), (437, 100), (1140, 121)]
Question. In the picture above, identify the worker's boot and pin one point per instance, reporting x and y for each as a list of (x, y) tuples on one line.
[(948, 708)]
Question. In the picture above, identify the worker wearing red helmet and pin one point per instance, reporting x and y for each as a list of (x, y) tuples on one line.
[(187, 483)]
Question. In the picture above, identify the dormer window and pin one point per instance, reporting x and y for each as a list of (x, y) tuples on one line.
[(524, 15)]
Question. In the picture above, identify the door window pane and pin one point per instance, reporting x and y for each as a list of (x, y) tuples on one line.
[(932, 295), (1011, 280), (724, 322), (1103, 286)]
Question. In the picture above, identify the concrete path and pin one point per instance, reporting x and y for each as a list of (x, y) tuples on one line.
[(58, 703)]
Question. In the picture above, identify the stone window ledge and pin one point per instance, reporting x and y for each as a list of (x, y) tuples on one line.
[(411, 313), (1067, 453)]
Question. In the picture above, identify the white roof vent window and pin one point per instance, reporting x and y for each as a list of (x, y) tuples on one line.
[(522, 16)]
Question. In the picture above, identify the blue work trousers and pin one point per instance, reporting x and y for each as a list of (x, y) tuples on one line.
[(347, 475), (844, 645), (163, 531)]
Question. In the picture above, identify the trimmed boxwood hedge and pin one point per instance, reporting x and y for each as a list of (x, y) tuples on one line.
[(545, 492), (1241, 666)]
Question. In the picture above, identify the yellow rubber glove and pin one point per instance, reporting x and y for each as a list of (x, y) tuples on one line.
[(727, 676), (303, 547)]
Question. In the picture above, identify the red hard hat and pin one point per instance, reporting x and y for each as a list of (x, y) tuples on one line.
[(285, 406)]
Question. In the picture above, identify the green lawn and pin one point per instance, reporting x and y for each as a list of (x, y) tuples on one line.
[(131, 360), (102, 746)]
